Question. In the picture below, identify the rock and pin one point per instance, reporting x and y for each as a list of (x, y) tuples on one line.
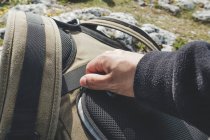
[(120, 36), (202, 15), (200, 1), (157, 38), (84, 14), (193, 32), (149, 29), (46, 2), (40, 9), (35, 1), (164, 1), (207, 6), (141, 2), (172, 8), (185, 4), (2, 32), (160, 36), (128, 18), (167, 48)]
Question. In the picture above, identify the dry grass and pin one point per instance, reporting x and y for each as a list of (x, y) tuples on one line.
[(183, 25)]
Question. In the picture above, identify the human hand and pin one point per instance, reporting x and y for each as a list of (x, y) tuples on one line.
[(112, 71)]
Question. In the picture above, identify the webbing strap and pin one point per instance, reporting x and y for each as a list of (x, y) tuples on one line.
[(71, 79), (126, 28), (27, 99)]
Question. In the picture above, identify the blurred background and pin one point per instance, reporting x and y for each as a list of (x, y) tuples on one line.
[(171, 23)]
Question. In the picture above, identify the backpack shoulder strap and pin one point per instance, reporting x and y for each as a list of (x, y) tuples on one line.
[(129, 29), (30, 78)]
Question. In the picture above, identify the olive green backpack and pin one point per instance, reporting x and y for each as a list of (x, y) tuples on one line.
[(41, 63)]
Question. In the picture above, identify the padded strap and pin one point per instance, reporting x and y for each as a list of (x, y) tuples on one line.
[(132, 30), (27, 100), (32, 96)]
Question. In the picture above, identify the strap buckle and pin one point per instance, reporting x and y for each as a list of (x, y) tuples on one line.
[(74, 22)]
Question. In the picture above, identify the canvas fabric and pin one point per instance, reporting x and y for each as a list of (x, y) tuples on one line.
[(10, 70), (51, 105), (69, 126)]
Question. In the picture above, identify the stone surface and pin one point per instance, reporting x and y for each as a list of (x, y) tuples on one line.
[(120, 36), (164, 1), (172, 8), (160, 36), (202, 15), (46, 2), (185, 4), (200, 1), (83, 14), (141, 2), (207, 6), (128, 18), (40, 9)]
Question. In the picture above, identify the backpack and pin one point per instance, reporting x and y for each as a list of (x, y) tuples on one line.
[(40, 97)]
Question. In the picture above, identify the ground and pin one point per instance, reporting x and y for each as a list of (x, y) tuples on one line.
[(183, 25)]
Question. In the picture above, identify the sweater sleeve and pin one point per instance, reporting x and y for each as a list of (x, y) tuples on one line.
[(177, 83)]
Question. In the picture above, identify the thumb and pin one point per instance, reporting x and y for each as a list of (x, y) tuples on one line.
[(95, 81)]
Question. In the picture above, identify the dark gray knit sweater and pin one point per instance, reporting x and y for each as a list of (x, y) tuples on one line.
[(177, 83)]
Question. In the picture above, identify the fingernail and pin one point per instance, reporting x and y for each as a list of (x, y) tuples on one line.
[(83, 82)]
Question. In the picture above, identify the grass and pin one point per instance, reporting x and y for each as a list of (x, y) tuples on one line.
[(3, 9), (2, 25), (1, 42), (179, 43), (182, 25)]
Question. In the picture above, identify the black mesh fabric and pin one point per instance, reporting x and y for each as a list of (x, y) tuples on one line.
[(68, 49), (120, 118)]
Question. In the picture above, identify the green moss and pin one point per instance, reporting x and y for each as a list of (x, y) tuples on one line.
[(140, 47), (1, 42), (63, 1), (3, 9), (14, 2), (179, 43), (2, 25)]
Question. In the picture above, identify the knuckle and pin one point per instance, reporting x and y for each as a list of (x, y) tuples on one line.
[(90, 82)]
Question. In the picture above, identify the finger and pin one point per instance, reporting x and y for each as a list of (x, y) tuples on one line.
[(95, 81), (96, 65)]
